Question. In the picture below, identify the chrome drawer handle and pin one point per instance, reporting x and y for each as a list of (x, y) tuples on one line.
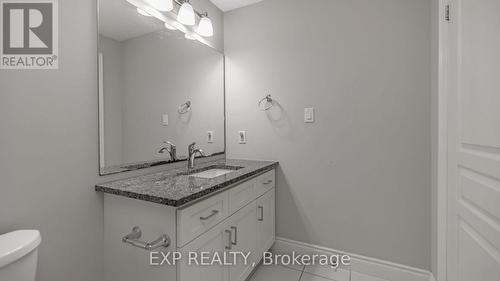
[(235, 235), (261, 208), (230, 243), (268, 182), (133, 239), (214, 212)]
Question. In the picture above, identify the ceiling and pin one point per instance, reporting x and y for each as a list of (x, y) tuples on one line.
[(228, 5)]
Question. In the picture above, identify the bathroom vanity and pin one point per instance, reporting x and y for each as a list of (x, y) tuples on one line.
[(150, 110), (223, 206)]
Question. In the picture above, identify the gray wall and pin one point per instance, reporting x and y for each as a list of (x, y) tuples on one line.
[(359, 178), (48, 152)]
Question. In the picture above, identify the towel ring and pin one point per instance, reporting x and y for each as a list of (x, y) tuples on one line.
[(269, 100), (184, 108)]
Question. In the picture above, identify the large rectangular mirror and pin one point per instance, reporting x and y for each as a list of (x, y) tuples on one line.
[(155, 86)]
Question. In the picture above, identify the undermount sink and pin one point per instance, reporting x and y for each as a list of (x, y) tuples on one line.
[(212, 172)]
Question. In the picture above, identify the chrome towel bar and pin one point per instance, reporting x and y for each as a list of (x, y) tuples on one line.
[(133, 239), (268, 103), (184, 108)]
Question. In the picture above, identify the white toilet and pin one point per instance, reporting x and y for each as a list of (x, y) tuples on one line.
[(18, 255)]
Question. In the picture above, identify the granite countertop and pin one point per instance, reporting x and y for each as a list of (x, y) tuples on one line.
[(175, 188)]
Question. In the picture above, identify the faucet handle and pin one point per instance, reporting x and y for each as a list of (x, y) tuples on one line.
[(169, 143), (191, 146)]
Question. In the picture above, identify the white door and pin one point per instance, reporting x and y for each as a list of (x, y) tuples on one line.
[(242, 225), (265, 222), (472, 59), (215, 240)]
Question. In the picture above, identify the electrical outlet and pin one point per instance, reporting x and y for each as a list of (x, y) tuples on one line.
[(309, 115), (210, 136), (242, 137)]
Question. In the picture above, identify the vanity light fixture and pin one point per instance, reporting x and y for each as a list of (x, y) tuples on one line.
[(162, 5), (168, 26), (186, 17), (205, 27), (186, 14), (143, 12), (189, 37)]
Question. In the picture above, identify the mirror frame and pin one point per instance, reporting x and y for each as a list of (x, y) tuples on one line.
[(152, 163)]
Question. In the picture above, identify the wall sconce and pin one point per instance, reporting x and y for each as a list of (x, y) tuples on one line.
[(186, 14), (205, 27)]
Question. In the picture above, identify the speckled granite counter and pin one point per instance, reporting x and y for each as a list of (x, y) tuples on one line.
[(175, 188)]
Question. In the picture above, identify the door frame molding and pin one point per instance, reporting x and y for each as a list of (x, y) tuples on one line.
[(442, 145)]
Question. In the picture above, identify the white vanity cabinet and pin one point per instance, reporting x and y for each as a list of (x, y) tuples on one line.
[(214, 240), (265, 222), (242, 226), (238, 219)]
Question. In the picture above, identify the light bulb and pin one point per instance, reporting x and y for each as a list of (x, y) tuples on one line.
[(144, 13), (205, 27), (186, 14), (162, 5), (168, 26)]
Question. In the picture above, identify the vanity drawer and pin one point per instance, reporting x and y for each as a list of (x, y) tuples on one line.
[(241, 195), (200, 217), (265, 183)]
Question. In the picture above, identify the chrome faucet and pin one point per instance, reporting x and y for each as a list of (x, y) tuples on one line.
[(171, 149), (192, 153)]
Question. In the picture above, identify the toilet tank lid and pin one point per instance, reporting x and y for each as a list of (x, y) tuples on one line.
[(17, 244)]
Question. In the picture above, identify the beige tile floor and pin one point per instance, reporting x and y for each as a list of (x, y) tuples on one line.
[(308, 273)]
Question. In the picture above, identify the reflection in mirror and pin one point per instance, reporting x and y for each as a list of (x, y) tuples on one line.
[(158, 91)]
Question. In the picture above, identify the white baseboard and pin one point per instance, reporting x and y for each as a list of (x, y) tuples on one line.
[(370, 266)]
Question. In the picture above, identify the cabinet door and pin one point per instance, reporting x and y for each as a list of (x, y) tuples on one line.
[(265, 223), (215, 240), (242, 225)]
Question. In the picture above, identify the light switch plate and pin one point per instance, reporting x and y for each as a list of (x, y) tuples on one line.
[(164, 119), (242, 137), (210, 136), (309, 115)]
